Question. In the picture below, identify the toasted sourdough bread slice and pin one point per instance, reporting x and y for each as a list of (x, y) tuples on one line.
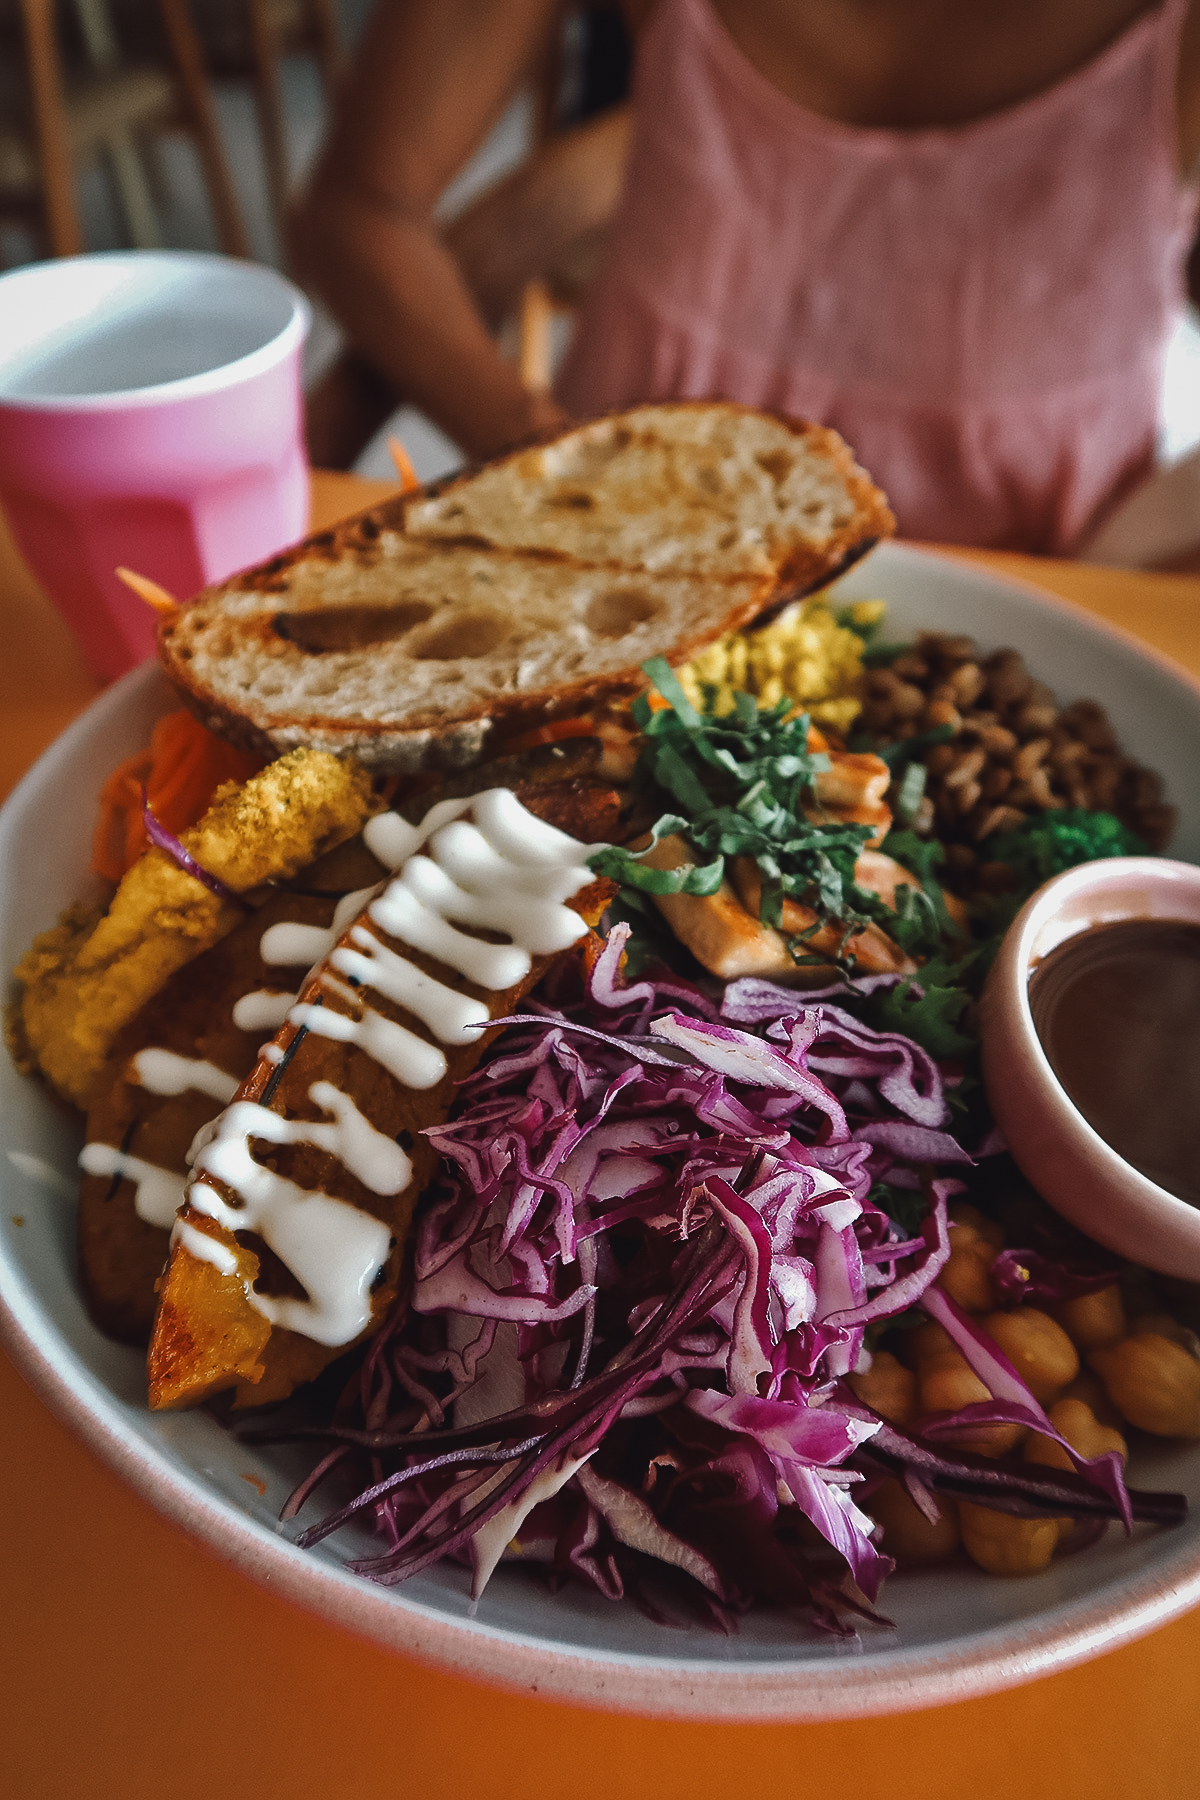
[(405, 652), (687, 487), (372, 1055), (535, 587)]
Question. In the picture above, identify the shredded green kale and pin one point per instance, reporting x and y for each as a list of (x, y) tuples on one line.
[(905, 1207), (1047, 843), (927, 1008)]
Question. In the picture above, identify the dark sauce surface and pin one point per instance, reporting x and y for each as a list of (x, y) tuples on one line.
[(1117, 1010)]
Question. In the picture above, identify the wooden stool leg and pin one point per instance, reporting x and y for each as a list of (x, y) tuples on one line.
[(128, 176), (185, 48), (535, 325), (133, 191), (264, 58), (54, 148), (322, 29)]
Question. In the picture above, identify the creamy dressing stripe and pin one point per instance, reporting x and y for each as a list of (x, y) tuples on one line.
[(158, 1193), (452, 1018), (411, 1060), (204, 1248), (335, 1250), (164, 1072), (262, 1009)]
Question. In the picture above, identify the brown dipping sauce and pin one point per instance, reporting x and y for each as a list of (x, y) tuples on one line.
[(1117, 1010)]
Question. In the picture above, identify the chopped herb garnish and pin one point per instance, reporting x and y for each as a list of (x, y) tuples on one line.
[(739, 783)]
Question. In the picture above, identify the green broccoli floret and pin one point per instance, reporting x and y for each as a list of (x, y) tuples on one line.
[(1047, 843)]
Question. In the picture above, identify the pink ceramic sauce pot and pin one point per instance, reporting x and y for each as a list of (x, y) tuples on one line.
[(1068, 1162), (150, 416)]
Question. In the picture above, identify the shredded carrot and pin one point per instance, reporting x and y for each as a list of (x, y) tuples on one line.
[(409, 479), (546, 734), (182, 769)]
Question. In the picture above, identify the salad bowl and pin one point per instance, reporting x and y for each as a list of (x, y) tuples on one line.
[(955, 1631)]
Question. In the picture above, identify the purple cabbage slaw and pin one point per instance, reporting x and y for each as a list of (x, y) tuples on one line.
[(636, 1298)]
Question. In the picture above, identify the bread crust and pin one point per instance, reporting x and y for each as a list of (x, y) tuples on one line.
[(258, 688)]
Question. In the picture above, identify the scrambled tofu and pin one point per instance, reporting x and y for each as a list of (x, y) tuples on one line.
[(87, 977), (804, 655)]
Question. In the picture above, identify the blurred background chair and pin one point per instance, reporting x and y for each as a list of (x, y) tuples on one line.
[(72, 94)]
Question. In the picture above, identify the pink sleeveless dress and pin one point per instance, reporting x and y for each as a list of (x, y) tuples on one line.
[(981, 311)]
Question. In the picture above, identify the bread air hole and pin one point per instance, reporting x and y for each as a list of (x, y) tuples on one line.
[(349, 627), (466, 635), (776, 463), (584, 455), (572, 499), (612, 614)]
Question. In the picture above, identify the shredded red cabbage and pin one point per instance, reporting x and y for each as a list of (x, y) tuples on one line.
[(1019, 1275), (166, 840), (636, 1296)]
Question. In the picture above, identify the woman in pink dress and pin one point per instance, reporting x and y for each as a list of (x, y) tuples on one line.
[(953, 229)]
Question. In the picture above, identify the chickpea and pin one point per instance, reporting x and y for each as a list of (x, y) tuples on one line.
[(889, 1387), (929, 1339), (1089, 1388), (1003, 1544), (1154, 1383), (947, 1382), (1093, 1321), (989, 1230), (965, 1275), (1082, 1430), (907, 1534), (1039, 1350), (1165, 1326)]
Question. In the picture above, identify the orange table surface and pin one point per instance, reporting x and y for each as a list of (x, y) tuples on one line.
[(136, 1665)]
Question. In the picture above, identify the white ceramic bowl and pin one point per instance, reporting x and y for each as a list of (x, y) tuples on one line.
[(1066, 1160), (958, 1632)]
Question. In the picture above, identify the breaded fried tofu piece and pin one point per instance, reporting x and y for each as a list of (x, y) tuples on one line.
[(78, 995), (172, 1069)]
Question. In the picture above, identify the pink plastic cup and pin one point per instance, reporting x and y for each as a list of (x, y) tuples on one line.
[(150, 417)]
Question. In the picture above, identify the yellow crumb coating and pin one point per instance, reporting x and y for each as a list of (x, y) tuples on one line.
[(804, 654), (80, 987)]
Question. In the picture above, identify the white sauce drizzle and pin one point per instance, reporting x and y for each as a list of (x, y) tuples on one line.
[(262, 1010), (411, 1060), (503, 871), (288, 945), (204, 1248), (334, 1249), (159, 1193), (452, 1018), (164, 1072)]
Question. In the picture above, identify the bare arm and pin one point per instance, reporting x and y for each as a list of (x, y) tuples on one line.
[(429, 80)]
